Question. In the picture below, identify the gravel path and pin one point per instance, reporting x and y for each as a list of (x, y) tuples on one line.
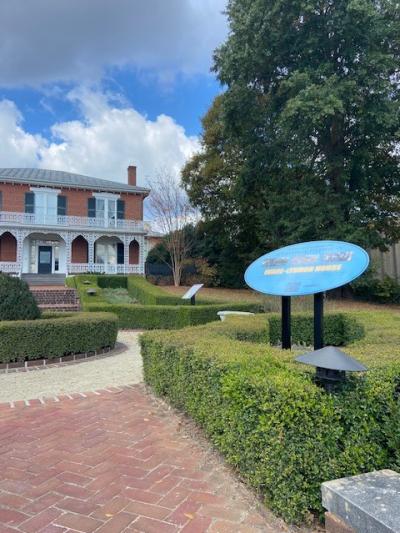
[(121, 369)]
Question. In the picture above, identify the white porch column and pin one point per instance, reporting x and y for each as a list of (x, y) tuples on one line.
[(20, 237), (142, 252), (68, 238), (91, 259), (126, 240)]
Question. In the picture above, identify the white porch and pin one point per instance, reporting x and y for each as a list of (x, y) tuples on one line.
[(34, 252)]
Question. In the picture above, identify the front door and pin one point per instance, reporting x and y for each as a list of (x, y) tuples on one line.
[(44, 263)]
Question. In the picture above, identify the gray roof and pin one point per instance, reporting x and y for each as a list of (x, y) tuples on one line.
[(39, 176)]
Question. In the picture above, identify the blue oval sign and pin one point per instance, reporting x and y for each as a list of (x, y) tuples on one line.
[(307, 268)]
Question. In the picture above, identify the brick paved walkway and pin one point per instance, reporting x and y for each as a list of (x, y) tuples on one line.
[(118, 461)]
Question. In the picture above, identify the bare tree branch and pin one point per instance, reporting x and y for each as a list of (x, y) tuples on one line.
[(171, 211)]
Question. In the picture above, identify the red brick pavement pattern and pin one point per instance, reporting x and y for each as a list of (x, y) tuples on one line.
[(115, 462)]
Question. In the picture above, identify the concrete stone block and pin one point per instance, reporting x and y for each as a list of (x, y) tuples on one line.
[(368, 503)]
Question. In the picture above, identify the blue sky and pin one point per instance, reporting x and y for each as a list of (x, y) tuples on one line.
[(94, 91), (186, 100)]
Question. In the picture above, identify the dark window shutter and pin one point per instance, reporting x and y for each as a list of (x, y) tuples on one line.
[(92, 207), (1, 201), (61, 206), (120, 253), (120, 209), (29, 202)]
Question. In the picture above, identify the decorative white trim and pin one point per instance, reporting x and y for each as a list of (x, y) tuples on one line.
[(106, 195), (45, 189)]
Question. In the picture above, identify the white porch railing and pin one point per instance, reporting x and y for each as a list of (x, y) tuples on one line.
[(28, 219), (9, 267), (98, 268)]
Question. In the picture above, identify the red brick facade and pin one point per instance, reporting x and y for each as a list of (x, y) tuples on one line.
[(13, 199), (79, 250), (134, 253), (8, 247)]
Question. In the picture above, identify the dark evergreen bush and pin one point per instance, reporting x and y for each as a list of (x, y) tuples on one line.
[(16, 300)]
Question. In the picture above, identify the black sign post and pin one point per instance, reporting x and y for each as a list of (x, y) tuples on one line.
[(318, 320), (286, 323), (193, 300)]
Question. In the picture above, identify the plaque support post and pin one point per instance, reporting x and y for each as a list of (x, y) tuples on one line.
[(286, 323), (193, 300), (318, 320)]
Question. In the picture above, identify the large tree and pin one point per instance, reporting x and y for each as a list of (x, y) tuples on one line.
[(308, 127)]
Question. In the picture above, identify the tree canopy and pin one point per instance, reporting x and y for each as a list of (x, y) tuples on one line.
[(303, 143)]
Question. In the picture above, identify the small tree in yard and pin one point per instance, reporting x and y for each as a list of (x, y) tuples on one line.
[(16, 300), (172, 212)]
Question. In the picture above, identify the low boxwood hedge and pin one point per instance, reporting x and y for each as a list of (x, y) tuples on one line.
[(148, 294), (339, 329), (133, 316), (263, 412), (112, 282), (170, 312), (55, 336)]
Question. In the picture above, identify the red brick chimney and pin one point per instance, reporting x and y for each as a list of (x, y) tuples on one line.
[(132, 175)]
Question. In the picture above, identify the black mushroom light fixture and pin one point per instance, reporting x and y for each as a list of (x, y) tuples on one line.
[(331, 364)]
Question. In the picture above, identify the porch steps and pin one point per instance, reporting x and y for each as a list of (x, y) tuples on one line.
[(49, 280), (56, 298)]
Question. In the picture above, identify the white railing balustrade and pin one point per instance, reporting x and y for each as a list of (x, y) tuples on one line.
[(31, 219), (99, 268), (9, 267)]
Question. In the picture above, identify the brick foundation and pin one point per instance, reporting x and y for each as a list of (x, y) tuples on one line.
[(56, 299)]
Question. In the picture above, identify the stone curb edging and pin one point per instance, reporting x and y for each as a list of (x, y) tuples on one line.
[(42, 364), (51, 400)]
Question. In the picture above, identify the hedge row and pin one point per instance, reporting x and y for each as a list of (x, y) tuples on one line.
[(55, 336), (133, 316), (284, 434), (148, 294), (339, 329), (112, 282), (168, 313)]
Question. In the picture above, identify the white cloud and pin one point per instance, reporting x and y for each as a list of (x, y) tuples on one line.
[(47, 41), (102, 144), (16, 145)]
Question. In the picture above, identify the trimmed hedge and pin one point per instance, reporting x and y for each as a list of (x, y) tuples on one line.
[(149, 294), (55, 336), (133, 316), (284, 434), (112, 282), (169, 313), (339, 329)]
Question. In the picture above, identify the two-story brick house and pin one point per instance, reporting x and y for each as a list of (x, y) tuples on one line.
[(54, 222)]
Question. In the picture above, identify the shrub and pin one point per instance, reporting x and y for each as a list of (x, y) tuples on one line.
[(284, 434), (369, 288), (56, 335), (339, 329), (112, 282), (16, 300), (164, 316), (203, 272)]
